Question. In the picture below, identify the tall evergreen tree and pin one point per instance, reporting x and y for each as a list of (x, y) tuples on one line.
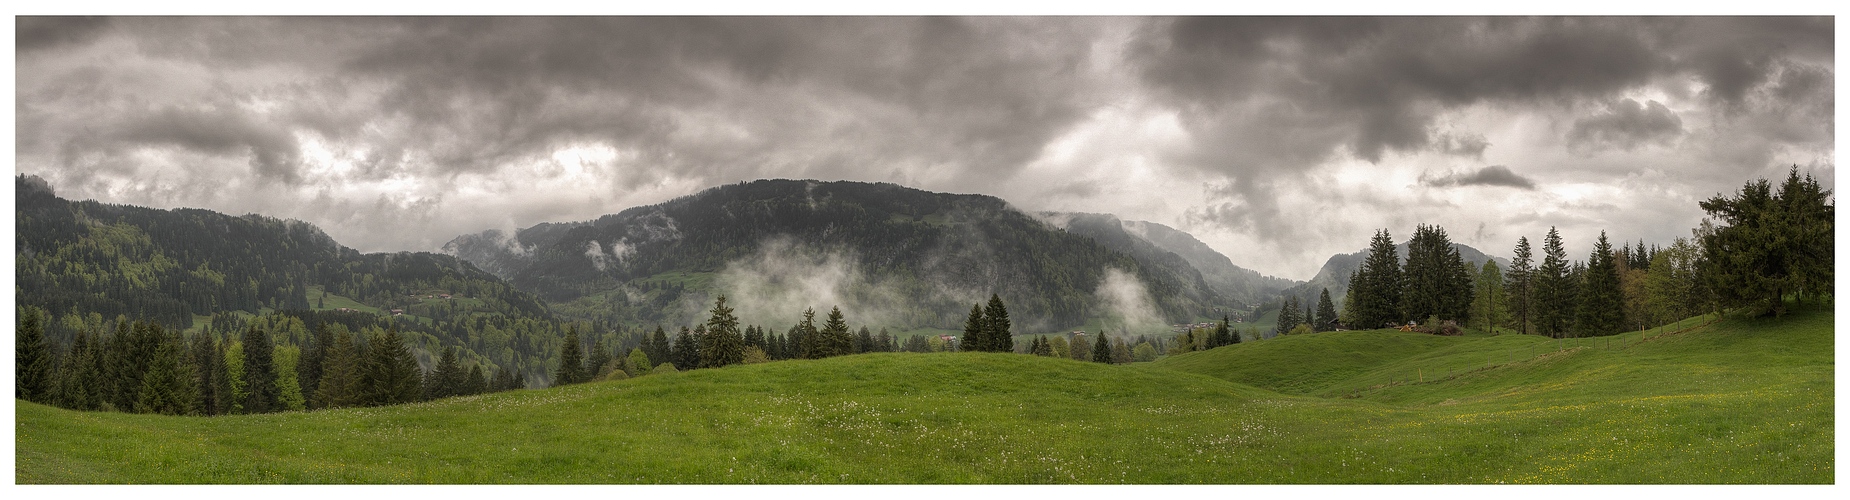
[(77, 380), (1520, 285), (1600, 310), (975, 333), (686, 355), (728, 346), (168, 387), (658, 348), (131, 352), (598, 362), (340, 375), (754, 337), (571, 360), (1326, 313), (834, 338), (1437, 284), (1552, 302), (1377, 285), (1487, 300), (260, 391), (1101, 350), (308, 371), (1770, 244), (32, 367), (392, 374), (1000, 333), (864, 341), (476, 382), (447, 380), (289, 395)]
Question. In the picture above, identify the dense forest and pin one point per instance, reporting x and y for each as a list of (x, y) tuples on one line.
[(929, 252)]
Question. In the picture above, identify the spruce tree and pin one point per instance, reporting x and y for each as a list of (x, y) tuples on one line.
[(1520, 289), (658, 348), (835, 339), (999, 333), (686, 354), (728, 346), (1436, 280), (168, 387), (1326, 313), (448, 379), (571, 360), (77, 375), (260, 391), (975, 335), (1377, 285), (308, 371), (864, 341), (340, 379), (476, 382), (392, 373), (1487, 301), (32, 362), (596, 363), (1600, 310), (806, 335), (1551, 302), (1101, 350), (1769, 245)]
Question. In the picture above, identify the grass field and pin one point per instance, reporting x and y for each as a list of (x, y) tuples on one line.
[(1737, 401)]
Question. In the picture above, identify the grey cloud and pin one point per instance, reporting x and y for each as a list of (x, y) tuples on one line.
[(1626, 124), (34, 33), (273, 152), (1494, 175)]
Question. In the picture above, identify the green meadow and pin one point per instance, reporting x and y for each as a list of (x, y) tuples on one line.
[(1729, 401)]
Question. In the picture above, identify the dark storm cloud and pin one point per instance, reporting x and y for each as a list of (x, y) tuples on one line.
[(273, 152), (33, 33), (1268, 99), (1626, 124), (1494, 175)]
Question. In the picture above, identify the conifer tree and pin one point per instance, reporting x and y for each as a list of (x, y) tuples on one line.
[(1487, 301), (1326, 313), (447, 380), (1600, 310), (658, 348), (476, 382), (1436, 281), (32, 367), (260, 391), (308, 371), (392, 373), (167, 388), (834, 339), (1377, 285), (340, 379), (131, 352), (754, 337), (728, 346), (686, 353), (1770, 244), (1551, 288), (77, 380), (999, 333), (571, 360), (975, 335), (289, 395), (1101, 350), (864, 341), (598, 362), (1521, 286), (228, 378)]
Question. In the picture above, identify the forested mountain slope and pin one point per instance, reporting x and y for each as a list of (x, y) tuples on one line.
[(918, 258)]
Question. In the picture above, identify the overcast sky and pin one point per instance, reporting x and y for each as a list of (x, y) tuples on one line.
[(1278, 141)]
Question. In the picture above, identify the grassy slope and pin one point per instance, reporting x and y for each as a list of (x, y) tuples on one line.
[(1736, 402)]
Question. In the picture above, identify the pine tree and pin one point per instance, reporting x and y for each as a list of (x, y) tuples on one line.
[(1101, 350), (728, 346), (260, 391), (32, 367), (999, 333), (1520, 285), (1326, 313), (340, 380), (975, 336), (1551, 288), (1600, 310), (1377, 285), (571, 360)]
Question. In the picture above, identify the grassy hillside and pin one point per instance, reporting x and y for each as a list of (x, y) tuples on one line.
[(1731, 402)]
